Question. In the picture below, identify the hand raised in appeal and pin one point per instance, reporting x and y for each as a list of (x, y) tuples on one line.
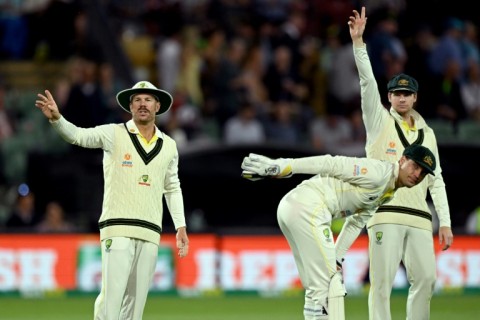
[(47, 104), (357, 24)]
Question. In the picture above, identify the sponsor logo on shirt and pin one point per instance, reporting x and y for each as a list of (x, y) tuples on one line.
[(391, 149), (126, 160), (357, 170)]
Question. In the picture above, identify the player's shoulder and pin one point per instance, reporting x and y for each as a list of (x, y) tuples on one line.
[(166, 138)]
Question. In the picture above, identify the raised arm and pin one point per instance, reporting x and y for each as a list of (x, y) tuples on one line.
[(357, 24)]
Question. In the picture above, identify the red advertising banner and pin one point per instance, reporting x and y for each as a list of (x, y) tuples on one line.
[(263, 263)]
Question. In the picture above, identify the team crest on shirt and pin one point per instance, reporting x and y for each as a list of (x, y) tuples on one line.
[(108, 244), (326, 233), (378, 237), (127, 160), (145, 180)]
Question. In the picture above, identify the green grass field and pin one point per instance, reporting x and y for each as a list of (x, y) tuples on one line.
[(248, 307)]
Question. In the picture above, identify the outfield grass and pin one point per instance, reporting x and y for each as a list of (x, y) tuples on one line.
[(444, 307)]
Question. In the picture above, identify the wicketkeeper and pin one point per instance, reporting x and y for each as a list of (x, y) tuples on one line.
[(342, 186)]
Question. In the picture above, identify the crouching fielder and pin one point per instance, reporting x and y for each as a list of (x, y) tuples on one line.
[(341, 186)]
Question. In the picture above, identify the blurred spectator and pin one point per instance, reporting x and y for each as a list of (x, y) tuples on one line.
[(445, 97), (219, 75), (272, 10), (23, 217), (472, 225), (13, 30), (110, 85), (343, 84), (314, 76), (282, 78), (188, 81), (470, 91), (448, 49), (418, 50), (330, 133), (7, 120), (84, 42), (282, 127), (338, 134), (54, 220), (359, 134), (251, 75), (386, 50), (18, 27), (470, 43), (244, 128), (168, 60), (86, 104), (59, 26), (292, 33)]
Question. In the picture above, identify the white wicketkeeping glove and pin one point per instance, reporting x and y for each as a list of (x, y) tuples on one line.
[(256, 167)]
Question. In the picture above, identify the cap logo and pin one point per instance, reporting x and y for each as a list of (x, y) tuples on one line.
[(428, 160), (403, 82), (142, 85)]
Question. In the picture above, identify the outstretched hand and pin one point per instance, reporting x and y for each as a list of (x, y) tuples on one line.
[(256, 167), (47, 104), (357, 24)]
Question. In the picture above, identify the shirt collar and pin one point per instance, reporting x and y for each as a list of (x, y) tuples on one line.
[(132, 128), (418, 121)]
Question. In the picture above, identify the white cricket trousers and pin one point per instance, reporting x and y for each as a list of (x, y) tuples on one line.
[(305, 221), (388, 245), (128, 266)]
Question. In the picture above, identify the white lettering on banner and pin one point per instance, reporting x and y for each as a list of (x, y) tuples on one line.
[(286, 275), (457, 268), (27, 269), (473, 270), (228, 269), (206, 261), (37, 269), (257, 270), (450, 269), (7, 270)]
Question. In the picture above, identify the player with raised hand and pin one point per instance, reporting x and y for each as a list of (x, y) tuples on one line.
[(140, 165), (341, 187), (404, 225)]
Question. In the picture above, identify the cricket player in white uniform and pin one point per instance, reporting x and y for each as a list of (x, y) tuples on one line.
[(140, 165), (402, 229), (342, 187)]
